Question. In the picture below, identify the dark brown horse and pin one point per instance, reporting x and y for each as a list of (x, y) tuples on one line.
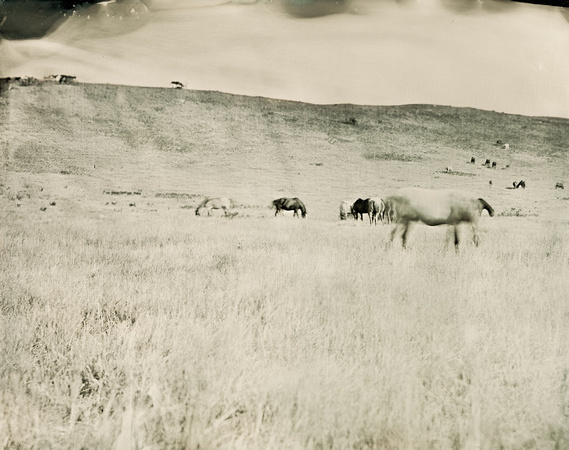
[(361, 207), (289, 204), (437, 207)]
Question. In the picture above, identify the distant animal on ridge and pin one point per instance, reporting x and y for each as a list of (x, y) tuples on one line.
[(289, 204), (214, 203), (436, 207), (559, 186), (487, 163), (493, 164), (506, 147), (473, 160)]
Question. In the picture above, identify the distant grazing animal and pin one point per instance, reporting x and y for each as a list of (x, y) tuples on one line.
[(345, 209), (493, 164), (361, 207), (559, 186), (449, 169), (506, 147), (214, 203), (377, 209), (487, 163), (490, 182), (437, 207), (289, 204), (522, 184), (499, 142), (177, 84), (473, 160), (66, 79)]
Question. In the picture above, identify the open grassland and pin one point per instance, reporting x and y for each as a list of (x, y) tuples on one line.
[(126, 321)]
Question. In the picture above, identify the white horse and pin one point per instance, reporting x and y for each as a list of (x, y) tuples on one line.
[(345, 209), (214, 203), (436, 207)]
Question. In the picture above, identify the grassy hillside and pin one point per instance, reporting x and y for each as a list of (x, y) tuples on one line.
[(160, 140), (127, 321)]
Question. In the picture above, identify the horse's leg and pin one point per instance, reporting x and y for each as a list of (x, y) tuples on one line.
[(475, 237), (404, 235), (395, 230), (456, 240), (276, 211)]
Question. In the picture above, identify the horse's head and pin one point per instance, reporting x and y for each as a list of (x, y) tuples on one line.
[(484, 205)]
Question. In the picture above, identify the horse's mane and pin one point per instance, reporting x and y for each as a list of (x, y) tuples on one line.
[(485, 205)]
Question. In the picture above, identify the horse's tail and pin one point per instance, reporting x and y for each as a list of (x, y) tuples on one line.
[(486, 206)]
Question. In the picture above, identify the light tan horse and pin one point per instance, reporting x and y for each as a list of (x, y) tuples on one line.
[(345, 209), (389, 213), (214, 203), (436, 207), (378, 209)]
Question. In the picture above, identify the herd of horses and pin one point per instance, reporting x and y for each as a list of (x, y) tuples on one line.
[(408, 205)]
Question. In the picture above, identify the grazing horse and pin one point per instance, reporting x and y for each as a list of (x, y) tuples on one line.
[(472, 160), (437, 207), (389, 213), (361, 207), (214, 203), (345, 209), (289, 204), (559, 186), (378, 209)]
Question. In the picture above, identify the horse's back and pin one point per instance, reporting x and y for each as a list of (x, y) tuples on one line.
[(432, 206), (217, 202)]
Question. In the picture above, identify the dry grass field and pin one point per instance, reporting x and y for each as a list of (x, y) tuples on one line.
[(126, 321)]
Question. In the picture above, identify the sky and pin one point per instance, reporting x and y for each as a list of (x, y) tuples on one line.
[(487, 54)]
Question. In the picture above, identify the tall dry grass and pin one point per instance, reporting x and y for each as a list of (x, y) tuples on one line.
[(172, 331)]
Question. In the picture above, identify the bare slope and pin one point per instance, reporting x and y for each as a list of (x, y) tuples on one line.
[(253, 149)]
